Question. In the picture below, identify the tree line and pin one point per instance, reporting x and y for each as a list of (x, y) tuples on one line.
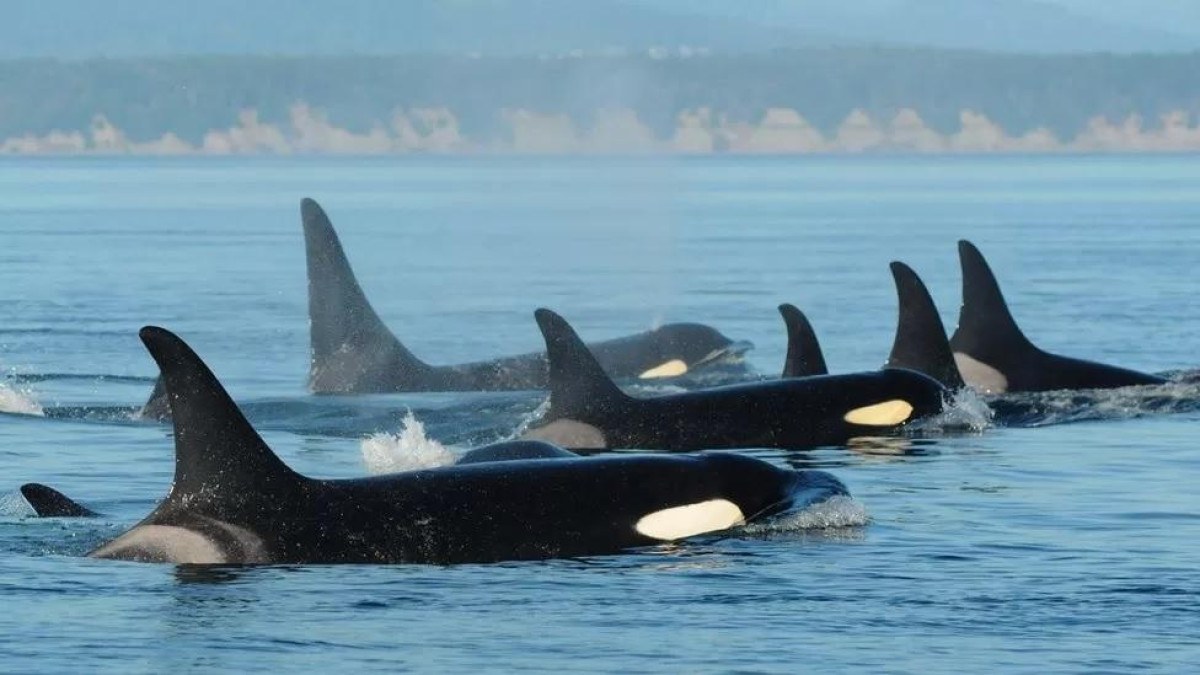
[(190, 96)]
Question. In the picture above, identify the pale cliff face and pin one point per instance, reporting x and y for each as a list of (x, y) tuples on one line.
[(619, 131)]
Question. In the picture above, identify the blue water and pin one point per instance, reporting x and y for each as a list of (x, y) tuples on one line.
[(1069, 542)]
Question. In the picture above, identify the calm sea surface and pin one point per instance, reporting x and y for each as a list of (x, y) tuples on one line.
[(1066, 543)]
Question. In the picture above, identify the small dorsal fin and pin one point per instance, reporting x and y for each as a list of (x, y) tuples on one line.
[(349, 341), (577, 382), (921, 343), (50, 503), (217, 452), (804, 357), (156, 407), (986, 328)]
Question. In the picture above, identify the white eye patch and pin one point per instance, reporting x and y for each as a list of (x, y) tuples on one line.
[(883, 414), (679, 522), (672, 368)]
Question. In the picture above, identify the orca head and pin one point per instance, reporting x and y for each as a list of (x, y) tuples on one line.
[(744, 490), (761, 489), (683, 347), (896, 397)]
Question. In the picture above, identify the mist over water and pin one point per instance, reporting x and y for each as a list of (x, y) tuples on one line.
[(1056, 535)]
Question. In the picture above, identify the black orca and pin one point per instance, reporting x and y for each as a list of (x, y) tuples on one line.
[(921, 342), (588, 411), (993, 354), (514, 450), (804, 356), (234, 501), (354, 352), (50, 503)]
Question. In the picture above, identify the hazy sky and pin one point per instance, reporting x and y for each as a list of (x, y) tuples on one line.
[(84, 28)]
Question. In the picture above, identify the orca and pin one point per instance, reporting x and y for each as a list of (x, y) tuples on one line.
[(994, 356), (804, 356), (589, 412), (50, 503), (352, 351), (234, 501), (921, 343), (508, 451)]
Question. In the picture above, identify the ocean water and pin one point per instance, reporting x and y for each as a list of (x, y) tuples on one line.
[(1066, 539)]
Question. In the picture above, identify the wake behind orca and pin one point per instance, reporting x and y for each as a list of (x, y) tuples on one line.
[(588, 410), (234, 501), (994, 356), (354, 352)]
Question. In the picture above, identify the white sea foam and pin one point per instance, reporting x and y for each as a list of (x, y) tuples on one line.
[(19, 401), (408, 450), (965, 411), (1066, 406), (837, 512), (529, 419)]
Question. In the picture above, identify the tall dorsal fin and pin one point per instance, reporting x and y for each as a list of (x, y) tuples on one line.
[(804, 357), (921, 343), (217, 452), (986, 328), (50, 503), (577, 382), (347, 337)]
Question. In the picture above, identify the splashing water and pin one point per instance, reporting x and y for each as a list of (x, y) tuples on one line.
[(837, 512), (529, 419), (409, 450), (19, 401), (965, 411)]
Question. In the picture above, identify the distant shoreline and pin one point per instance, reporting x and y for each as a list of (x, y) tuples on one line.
[(619, 131), (803, 101)]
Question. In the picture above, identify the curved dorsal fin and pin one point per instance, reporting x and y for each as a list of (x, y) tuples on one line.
[(804, 357), (577, 382), (347, 337), (50, 503), (921, 343), (217, 452), (986, 329)]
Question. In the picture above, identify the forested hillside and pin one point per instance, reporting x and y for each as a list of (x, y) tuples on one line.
[(486, 98)]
